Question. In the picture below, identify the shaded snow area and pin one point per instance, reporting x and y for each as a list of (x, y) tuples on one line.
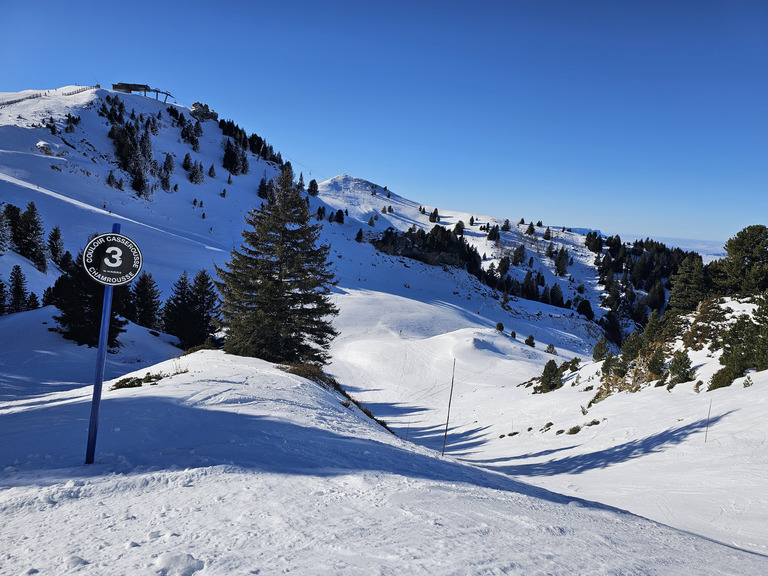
[(232, 466), (227, 465)]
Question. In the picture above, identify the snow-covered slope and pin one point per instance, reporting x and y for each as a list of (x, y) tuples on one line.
[(229, 465), (236, 466)]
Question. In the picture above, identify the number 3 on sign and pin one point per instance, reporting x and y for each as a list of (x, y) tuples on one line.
[(114, 257)]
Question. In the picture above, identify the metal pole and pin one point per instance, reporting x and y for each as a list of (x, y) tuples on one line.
[(101, 360), (450, 397), (706, 432)]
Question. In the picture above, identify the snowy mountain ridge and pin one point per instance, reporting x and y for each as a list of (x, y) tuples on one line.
[(402, 323)]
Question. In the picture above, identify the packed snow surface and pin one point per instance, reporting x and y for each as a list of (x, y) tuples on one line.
[(230, 465)]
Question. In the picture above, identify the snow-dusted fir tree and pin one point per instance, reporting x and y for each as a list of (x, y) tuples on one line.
[(145, 302), (274, 290), (31, 238), (56, 245)]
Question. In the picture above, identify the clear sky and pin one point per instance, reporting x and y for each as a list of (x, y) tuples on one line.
[(645, 118)]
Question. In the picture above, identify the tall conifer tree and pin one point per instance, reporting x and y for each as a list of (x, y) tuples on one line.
[(274, 290)]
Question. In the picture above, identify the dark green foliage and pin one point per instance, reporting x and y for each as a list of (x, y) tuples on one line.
[(204, 301), (530, 341), (359, 236), (30, 241), (313, 189), (518, 256), (458, 229), (722, 378), (191, 310), (551, 379), (611, 327), (5, 233), (551, 349), (739, 346), (80, 300), (561, 262), (680, 368), (177, 312), (18, 295), (688, 285), (585, 309), (202, 112), (133, 147), (56, 245), (274, 290), (145, 302), (745, 267), (656, 362), (3, 298), (254, 143), (631, 347), (500, 327), (547, 234), (530, 230), (434, 216), (601, 350)]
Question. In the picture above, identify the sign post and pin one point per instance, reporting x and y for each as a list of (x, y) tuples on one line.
[(112, 260)]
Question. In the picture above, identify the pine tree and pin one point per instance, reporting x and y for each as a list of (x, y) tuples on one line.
[(601, 350), (551, 378), (585, 309), (313, 189), (274, 290), (681, 368), (80, 300), (18, 291), (656, 362), (3, 298), (204, 305), (5, 234), (145, 302), (31, 241), (530, 230), (688, 285), (745, 268), (12, 215), (178, 319), (56, 245)]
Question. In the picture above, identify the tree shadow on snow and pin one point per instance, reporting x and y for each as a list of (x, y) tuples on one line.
[(46, 445), (604, 458)]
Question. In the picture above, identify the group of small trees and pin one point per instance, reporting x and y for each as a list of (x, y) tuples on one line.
[(188, 313), (15, 297), (23, 232)]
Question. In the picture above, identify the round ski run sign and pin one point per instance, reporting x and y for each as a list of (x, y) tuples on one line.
[(112, 259)]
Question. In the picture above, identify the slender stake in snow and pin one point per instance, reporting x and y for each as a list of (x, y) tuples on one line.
[(706, 431), (101, 360), (450, 397)]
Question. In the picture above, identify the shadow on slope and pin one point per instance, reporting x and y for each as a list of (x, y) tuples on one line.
[(46, 444), (579, 463)]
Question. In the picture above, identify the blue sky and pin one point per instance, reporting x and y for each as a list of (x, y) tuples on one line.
[(641, 118)]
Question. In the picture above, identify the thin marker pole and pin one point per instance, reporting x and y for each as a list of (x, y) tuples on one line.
[(450, 397), (706, 432), (101, 360)]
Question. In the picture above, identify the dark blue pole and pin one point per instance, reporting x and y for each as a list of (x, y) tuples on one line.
[(101, 360)]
